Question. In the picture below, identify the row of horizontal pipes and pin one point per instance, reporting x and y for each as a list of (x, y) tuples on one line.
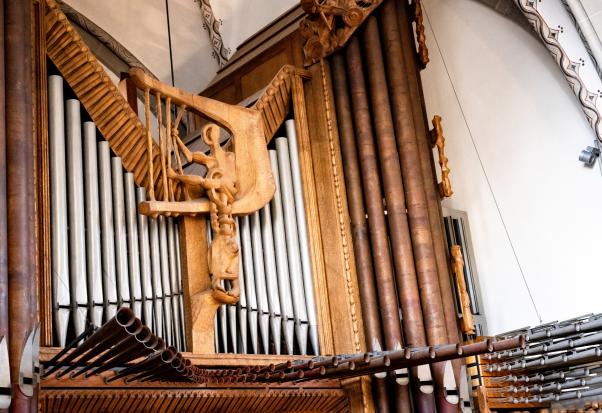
[(104, 254), (561, 362), (128, 348), (277, 311)]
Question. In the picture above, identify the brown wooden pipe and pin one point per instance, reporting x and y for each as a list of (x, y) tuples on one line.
[(428, 173), (20, 187), (359, 226), (408, 250), (374, 205), (3, 235)]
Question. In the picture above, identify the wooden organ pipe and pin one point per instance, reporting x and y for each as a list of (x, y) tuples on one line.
[(21, 254), (411, 246), (421, 241), (359, 226), (428, 174), (5, 382), (374, 205)]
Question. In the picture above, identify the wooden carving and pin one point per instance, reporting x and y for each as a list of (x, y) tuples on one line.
[(330, 23), (438, 140), (468, 325), (423, 51)]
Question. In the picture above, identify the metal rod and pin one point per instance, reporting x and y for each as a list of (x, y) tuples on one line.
[(133, 243), (121, 259), (165, 281), (156, 284), (145, 262)]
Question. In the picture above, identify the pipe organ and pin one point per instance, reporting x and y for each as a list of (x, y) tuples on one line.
[(104, 253), (276, 241)]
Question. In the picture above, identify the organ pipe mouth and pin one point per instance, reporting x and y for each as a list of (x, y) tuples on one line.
[(168, 355), (432, 352), (125, 317), (459, 350)]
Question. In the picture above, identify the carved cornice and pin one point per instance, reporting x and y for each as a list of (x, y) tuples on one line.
[(330, 23)]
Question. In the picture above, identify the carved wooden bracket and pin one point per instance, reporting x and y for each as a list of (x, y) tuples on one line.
[(438, 140), (330, 23), (468, 325), (423, 51)]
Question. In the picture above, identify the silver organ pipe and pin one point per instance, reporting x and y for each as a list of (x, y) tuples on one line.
[(92, 212), (292, 243), (277, 310), (104, 254), (121, 262), (286, 300), (58, 209), (77, 231), (302, 230), (145, 263), (106, 230)]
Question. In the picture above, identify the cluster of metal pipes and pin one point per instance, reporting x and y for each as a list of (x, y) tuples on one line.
[(561, 362), (400, 250), (104, 254), (127, 347), (276, 313)]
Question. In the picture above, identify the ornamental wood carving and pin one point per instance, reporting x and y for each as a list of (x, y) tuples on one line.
[(330, 23), (438, 140), (468, 324)]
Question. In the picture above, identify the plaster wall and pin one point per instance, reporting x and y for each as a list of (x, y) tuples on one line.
[(514, 131)]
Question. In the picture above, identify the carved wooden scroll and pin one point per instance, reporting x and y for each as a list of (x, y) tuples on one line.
[(330, 23), (438, 140), (468, 324), (423, 51)]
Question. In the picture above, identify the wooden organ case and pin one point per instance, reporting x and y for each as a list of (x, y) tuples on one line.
[(336, 89)]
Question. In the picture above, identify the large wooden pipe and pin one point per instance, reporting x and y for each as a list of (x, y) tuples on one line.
[(20, 186), (428, 173), (402, 244), (430, 178), (374, 205), (3, 258), (359, 225)]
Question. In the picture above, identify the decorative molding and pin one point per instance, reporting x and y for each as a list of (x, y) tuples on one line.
[(220, 52), (570, 54), (330, 23), (343, 215), (586, 31)]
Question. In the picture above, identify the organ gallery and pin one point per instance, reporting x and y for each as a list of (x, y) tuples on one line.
[(314, 206)]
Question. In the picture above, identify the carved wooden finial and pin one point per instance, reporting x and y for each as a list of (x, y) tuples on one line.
[(468, 325)]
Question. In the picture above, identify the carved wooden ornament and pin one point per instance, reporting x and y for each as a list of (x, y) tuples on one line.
[(438, 140), (330, 23)]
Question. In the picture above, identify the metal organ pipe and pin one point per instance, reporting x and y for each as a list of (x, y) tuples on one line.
[(75, 196), (93, 253), (286, 300), (260, 281), (58, 209), (241, 307), (292, 243), (104, 254), (247, 259), (303, 235), (106, 230)]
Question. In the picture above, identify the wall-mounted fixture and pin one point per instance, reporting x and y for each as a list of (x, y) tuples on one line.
[(588, 156)]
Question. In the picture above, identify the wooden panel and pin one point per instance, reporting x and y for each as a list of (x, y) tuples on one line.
[(214, 400), (257, 79)]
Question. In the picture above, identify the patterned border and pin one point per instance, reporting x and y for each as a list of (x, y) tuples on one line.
[(569, 68), (212, 25)]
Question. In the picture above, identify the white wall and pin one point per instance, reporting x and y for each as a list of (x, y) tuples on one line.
[(514, 131)]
